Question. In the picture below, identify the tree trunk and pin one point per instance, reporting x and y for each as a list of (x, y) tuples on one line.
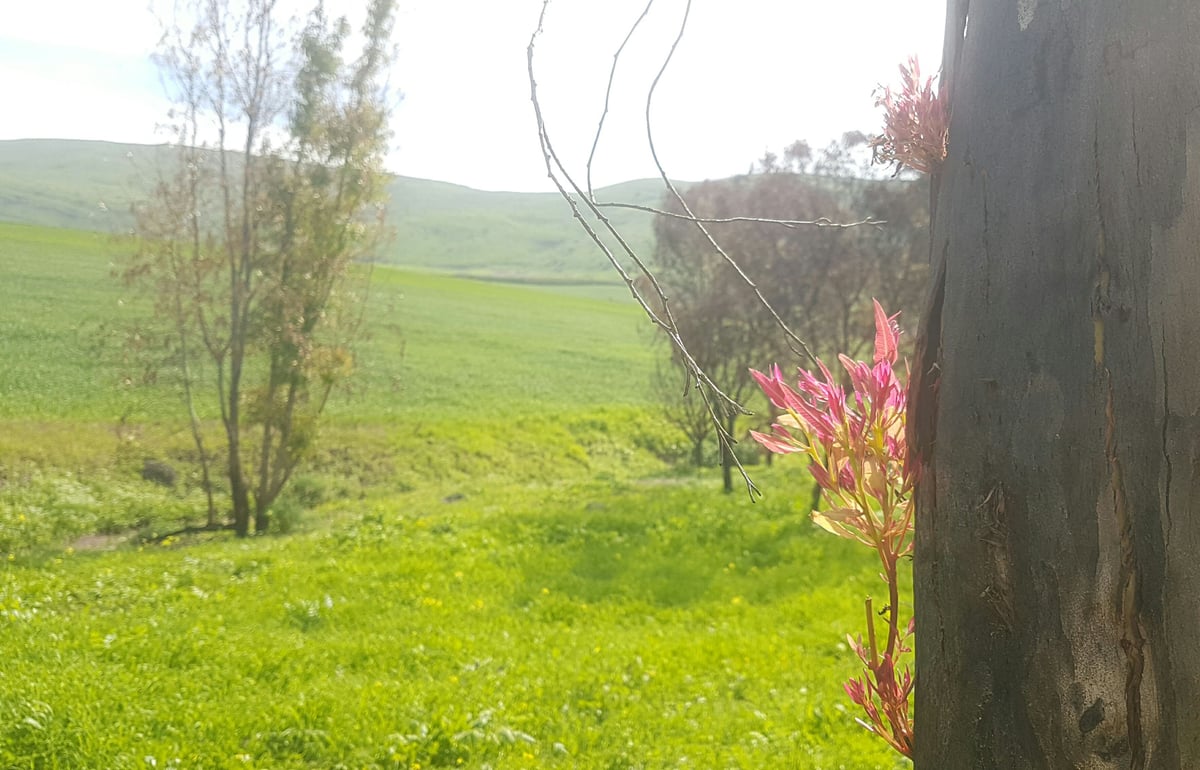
[(238, 489), (262, 520), (1058, 521), (727, 454)]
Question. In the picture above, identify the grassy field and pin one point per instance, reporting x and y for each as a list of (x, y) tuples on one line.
[(437, 349), (493, 560), (592, 626), (460, 382)]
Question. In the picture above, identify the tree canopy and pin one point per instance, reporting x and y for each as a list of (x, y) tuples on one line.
[(249, 242)]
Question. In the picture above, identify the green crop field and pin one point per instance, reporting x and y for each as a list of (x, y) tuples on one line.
[(493, 559)]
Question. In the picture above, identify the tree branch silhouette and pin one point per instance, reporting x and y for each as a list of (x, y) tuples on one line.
[(642, 282)]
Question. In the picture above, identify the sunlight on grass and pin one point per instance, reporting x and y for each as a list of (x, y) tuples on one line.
[(590, 627), (494, 562)]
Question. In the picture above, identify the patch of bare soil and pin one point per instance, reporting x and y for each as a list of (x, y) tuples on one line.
[(99, 542)]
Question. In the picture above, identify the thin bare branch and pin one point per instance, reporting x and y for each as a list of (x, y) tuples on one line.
[(791, 224), (665, 321), (720, 404), (612, 74), (798, 345)]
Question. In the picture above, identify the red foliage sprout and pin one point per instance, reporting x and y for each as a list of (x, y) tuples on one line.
[(855, 445), (916, 123)]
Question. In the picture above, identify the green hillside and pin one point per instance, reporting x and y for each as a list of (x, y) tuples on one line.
[(459, 382), (438, 226), (429, 339), (73, 184)]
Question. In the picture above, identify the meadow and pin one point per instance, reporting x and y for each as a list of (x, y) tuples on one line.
[(494, 560)]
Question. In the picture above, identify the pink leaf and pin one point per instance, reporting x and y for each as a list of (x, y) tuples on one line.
[(887, 335), (780, 443), (854, 688), (821, 476)]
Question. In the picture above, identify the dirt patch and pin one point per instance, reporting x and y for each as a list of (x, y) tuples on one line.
[(99, 542)]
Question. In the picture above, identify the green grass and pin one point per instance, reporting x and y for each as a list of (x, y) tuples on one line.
[(435, 345), (494, 562), (460, 382), (57, 296), (482, 350), (598, 626)]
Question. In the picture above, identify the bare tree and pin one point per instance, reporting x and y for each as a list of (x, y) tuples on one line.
[(249, 242), (633, 269), (820, 280), (685, 410), (718, 321)]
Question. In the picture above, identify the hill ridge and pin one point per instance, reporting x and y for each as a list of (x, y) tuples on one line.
[(444, 226)]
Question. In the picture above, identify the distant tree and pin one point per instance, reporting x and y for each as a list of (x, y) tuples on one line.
[(247, 244), (819, 279), (721, 324), (686, 409)]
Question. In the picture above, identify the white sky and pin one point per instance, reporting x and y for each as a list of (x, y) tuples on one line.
[(749, 76)]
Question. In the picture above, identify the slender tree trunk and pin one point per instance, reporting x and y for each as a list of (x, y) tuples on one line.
[(263, 499), (262, 519), (727, 455), (190, 402), (241, 284), (181, 318), (1058, 419), (238, 489)]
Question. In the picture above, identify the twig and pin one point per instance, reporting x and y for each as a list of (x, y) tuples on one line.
[(612, 74), (192, 530), (798, 345), (792, 224), (666, 320)]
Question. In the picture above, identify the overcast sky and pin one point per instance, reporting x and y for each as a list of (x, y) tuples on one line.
[(749, 76)]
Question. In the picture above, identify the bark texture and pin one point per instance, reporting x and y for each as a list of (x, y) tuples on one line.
[(1058, 525)]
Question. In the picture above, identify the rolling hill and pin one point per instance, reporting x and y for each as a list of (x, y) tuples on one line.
[(88, 185)]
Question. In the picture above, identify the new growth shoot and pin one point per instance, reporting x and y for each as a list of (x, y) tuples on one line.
[(855, 445)]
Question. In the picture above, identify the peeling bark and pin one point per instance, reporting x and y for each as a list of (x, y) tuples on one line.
[(1133, 641)]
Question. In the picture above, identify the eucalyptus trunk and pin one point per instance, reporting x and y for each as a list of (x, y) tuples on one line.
[(1057, 415)]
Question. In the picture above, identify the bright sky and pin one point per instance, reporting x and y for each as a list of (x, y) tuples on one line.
[(749, 76)]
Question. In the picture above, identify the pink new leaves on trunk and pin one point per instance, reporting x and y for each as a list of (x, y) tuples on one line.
[(855, 444), (916, 123)]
